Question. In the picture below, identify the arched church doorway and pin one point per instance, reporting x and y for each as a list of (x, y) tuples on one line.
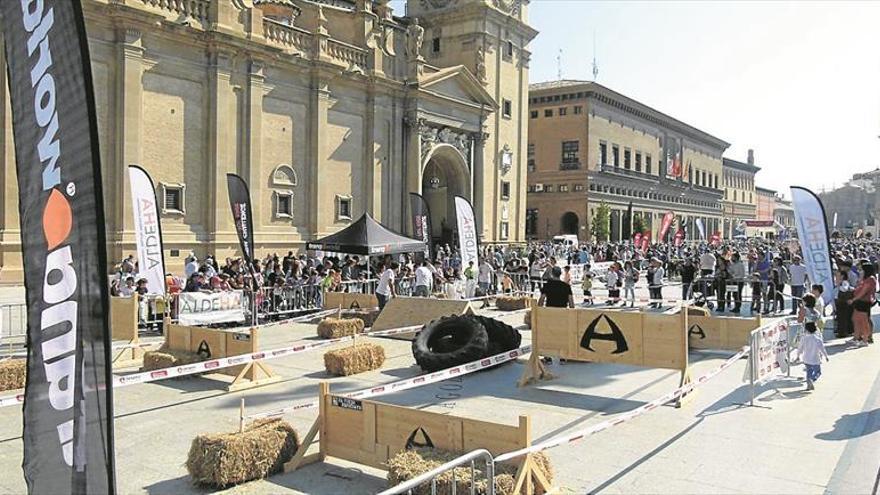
[(444, 177), (570, 223)]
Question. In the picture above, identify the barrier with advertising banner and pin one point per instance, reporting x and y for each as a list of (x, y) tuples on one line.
[(205, 308), (770, 352)]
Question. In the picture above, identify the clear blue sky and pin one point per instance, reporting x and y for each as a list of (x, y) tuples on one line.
[(797, 81)]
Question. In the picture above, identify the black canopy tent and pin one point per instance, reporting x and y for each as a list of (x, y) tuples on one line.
[(367, 237)]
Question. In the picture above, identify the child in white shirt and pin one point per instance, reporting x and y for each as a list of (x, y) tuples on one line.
[(811, 348)]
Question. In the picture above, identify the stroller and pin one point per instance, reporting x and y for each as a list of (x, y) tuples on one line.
[(703, 289)]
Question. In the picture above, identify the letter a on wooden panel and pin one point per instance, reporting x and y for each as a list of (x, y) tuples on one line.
[(615, 336)]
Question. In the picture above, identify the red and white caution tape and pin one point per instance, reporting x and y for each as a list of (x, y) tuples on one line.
[(408, 383), (623, 418), (218, 364)]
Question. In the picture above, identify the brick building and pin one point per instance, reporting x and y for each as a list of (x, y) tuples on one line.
[(589, 145)]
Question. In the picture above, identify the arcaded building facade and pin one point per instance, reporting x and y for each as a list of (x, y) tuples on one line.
[(327, 108)]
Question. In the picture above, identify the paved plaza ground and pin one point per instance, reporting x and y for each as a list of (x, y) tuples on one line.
[(793, 441)]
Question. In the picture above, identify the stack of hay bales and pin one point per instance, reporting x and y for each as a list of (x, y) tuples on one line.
[(410, 464), (368, 316), (512, 303), (225, 459), (355, 359), (333, 328), (12, 374), (167, 358)]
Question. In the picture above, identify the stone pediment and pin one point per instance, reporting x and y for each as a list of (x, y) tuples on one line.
[(459, 84)]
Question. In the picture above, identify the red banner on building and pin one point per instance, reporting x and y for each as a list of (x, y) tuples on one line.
[(664, 226), (679, 237)]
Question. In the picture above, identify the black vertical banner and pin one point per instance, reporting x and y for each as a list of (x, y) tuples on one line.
[(421, 222), (627, 222), (68, 404), (242, 215)]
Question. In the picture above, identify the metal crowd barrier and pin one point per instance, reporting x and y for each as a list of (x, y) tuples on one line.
[(432, 475)]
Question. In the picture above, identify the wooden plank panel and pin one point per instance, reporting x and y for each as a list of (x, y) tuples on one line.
[(178, 337), (215, 340), (378, 431), (721, 332), (354, 300), (333, 300), (552, 332), (123, 318), (407, 311)]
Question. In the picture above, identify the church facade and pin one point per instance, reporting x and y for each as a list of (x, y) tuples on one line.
[(327, 108)]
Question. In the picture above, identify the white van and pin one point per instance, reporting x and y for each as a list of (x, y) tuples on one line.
[(566, 240)]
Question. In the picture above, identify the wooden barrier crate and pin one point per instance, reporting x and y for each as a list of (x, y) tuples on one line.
[(653, 340), (213, 343), (409, 311), (124, 329), (727, 333), (371, 433), (349, 300)]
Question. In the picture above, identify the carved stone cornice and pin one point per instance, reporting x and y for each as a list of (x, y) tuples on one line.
[(431, 136)]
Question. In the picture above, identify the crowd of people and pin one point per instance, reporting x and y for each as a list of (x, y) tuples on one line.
[(769, 276)]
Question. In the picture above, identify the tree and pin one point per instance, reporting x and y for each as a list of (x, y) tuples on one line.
[(601, 224), (638, 224)]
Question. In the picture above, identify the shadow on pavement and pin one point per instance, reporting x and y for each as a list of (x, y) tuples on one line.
[(325, 478), (851, 426)]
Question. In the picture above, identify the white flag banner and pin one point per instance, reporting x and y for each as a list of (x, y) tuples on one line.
[(469, 243), (809, 217), (701, 228), (201, 308), (148, 232)]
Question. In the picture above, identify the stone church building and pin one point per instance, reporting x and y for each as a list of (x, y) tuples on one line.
[(327, 108)]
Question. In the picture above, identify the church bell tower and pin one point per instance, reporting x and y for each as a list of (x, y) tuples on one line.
[(490, 39)]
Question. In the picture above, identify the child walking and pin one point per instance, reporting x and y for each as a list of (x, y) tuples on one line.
[(811, 348), (587, 285)]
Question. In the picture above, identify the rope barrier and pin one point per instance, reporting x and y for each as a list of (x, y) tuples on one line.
[(628, 416)]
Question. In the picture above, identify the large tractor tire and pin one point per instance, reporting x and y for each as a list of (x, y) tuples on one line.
[(502, 337), (450, 341)]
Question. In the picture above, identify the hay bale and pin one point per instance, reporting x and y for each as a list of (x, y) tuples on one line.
[(368, 316), (225, 459), (409, 464), (167, 358), (333, 328), (527, 319), (355, 359), (12, 374), (512, 303)]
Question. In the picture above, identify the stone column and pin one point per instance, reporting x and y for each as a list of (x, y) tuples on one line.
[(253, 140), (322, 208), (222, 158), (129, 137), (371, 136), (10, 229), (478, 167)]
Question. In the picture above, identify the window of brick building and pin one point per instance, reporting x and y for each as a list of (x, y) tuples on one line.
[(507, 108), (505, 189), (548, 112), (435, 45), (615, 155), (563, 188), (570, 154), (647, 164), (563, 111), (638, 161), (579, 188), (627, 159), (533, 114), (578, 110), (603, 153)]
